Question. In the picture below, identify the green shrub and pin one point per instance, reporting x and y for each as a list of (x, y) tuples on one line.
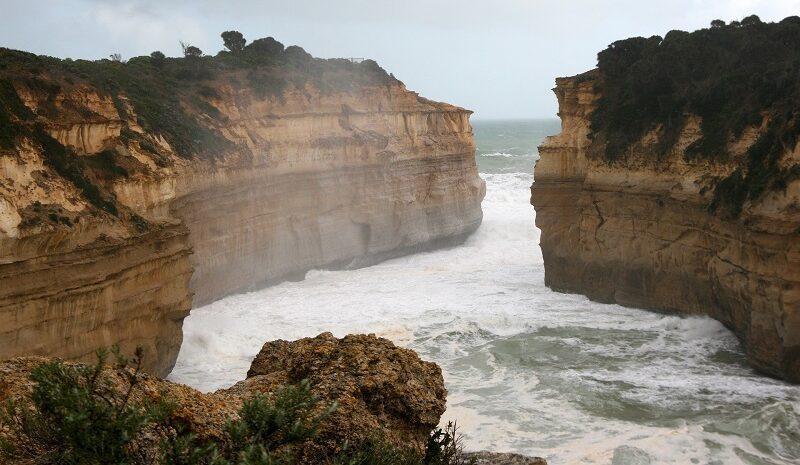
[(77, 416), (268, 427), (377, 452), (158, 99), (71, 168), (444, 447), (12, 110)]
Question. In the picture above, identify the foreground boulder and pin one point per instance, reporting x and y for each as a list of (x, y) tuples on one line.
[(380, 389), (382, 392)]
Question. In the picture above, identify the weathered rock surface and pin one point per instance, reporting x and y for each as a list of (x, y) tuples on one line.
[(67, 300), (341, 181), (638, 232), (381, 390), (309, 178)]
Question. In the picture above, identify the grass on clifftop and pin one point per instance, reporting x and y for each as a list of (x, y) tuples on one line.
[(79, 416), (731, 75)]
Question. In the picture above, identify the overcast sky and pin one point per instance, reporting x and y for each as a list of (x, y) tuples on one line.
[(495, 57)]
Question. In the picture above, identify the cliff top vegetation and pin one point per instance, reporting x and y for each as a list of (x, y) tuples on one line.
[(170, 98), (734, 76), (161, 89)]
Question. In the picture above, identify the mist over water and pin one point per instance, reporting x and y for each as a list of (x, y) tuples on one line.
[(528, 370)]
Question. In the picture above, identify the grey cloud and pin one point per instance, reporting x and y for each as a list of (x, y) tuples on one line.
[(497, 57)]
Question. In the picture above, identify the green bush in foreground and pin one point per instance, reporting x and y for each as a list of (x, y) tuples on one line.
[(444, 447), (77, 415)]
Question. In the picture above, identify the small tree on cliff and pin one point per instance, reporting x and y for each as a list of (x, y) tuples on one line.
[(266, 47), (193, 52), (157, 59), (234, 41), (752, 20), (190, 51)]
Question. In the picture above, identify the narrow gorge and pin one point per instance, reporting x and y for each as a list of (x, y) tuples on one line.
[(674, 184), (130, 192)]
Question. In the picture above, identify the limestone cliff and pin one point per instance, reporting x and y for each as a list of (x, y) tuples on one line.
[(126, 188), (641, 230)]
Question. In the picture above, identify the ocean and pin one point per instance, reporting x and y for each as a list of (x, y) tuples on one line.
[(528, 370)]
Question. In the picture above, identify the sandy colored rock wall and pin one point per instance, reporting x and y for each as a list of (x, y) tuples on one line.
[(334, 196), (309, 179), (639, 232), (68, 303)]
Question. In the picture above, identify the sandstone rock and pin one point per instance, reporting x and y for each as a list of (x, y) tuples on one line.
[(69, 301), (310, 179), (638, 232), (380, 389)]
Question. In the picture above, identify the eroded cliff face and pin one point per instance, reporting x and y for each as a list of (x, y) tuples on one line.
[(335, 181), (639, 231), (107, 229)]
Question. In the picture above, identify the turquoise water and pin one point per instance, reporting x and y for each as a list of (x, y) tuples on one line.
[(509, 146), (528, 370)]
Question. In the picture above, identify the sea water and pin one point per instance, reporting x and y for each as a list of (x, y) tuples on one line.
[(528, 370)]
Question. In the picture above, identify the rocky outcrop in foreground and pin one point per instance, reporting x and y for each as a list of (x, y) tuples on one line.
[(658, 219), (381, 391), (131, 191)]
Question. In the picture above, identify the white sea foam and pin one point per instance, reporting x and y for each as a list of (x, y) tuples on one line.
[(499, 154), (527, 369)]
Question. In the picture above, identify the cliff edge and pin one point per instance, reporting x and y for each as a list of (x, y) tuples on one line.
[(131, 191), (674, 184)]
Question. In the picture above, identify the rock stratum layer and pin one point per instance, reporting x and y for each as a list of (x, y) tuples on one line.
[(639, 230), (126, 189)]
